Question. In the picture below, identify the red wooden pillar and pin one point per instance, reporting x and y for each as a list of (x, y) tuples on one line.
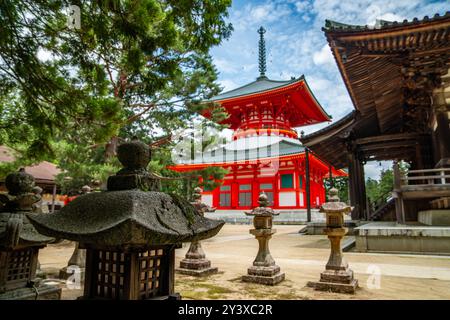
[(276, 195), (297, 183), (234, 185), (255, 187), (308, 186)]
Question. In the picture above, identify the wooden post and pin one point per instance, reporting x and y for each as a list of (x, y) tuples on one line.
[(399, 206), (361, 189), (307, 186), (53, 198), (352, 185), (442, 131), (330, 173)]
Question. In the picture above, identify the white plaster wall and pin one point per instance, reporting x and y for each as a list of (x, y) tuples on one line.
[(286, 199), (207, 199), (301, 199)]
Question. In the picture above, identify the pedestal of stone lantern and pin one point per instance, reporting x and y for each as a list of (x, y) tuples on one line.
[(337, 277), (264, 270), (195, 262), (130, 232)]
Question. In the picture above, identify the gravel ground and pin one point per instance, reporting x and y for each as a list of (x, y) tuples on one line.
[(301, 257)]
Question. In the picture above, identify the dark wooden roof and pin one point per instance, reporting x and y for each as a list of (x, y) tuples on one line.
[(390, 71)]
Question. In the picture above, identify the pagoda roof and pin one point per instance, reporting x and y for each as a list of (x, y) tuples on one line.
[(256, 147), (261, 84), (250, 150), (304, 108)]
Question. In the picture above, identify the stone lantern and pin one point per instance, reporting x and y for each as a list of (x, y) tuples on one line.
[(337, 277), (195, 262), (20, 243), (264, 270), (130, 231), (77, 261)]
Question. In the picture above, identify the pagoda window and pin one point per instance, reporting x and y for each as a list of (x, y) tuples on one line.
[(300, 179), (225, 196), (269, 151), (267, 114), (280, 117), (225, 199), (253, 115), (245, 195), (287, 181), (268, 190)]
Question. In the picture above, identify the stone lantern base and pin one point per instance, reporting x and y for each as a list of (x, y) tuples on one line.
[(339, 281), (264, 275), (196, 267), (195, 262)]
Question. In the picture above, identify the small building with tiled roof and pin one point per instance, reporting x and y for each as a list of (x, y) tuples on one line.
[(44, 172)]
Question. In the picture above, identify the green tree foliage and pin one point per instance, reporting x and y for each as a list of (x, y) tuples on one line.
[(133, 67), (340, 183), (380, 190)]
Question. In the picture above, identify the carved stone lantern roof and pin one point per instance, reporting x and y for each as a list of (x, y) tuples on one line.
[(131, 214), (15, 228), (262, 210), (334, 205)]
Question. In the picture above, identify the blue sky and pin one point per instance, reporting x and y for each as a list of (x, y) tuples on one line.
[(296, 45)]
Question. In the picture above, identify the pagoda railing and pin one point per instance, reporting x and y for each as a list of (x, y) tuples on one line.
[(268, 131)]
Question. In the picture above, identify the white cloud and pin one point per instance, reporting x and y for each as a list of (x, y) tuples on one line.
[(302, 6), (226, 65), (44, 55), (373, 169), (228, 84), (323, 56)]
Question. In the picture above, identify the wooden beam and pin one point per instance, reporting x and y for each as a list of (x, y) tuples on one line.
[(388, 137), (387, 145)]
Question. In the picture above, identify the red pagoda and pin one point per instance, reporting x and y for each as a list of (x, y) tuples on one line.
[(265, 153)]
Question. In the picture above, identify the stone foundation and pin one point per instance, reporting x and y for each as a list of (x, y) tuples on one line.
[(195, 262), (396, 238), (435, 217), (264, 275), (196, 267), (339, 281)]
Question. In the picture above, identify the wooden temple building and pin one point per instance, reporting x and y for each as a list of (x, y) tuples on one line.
[(265, 153), (397, 75)]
